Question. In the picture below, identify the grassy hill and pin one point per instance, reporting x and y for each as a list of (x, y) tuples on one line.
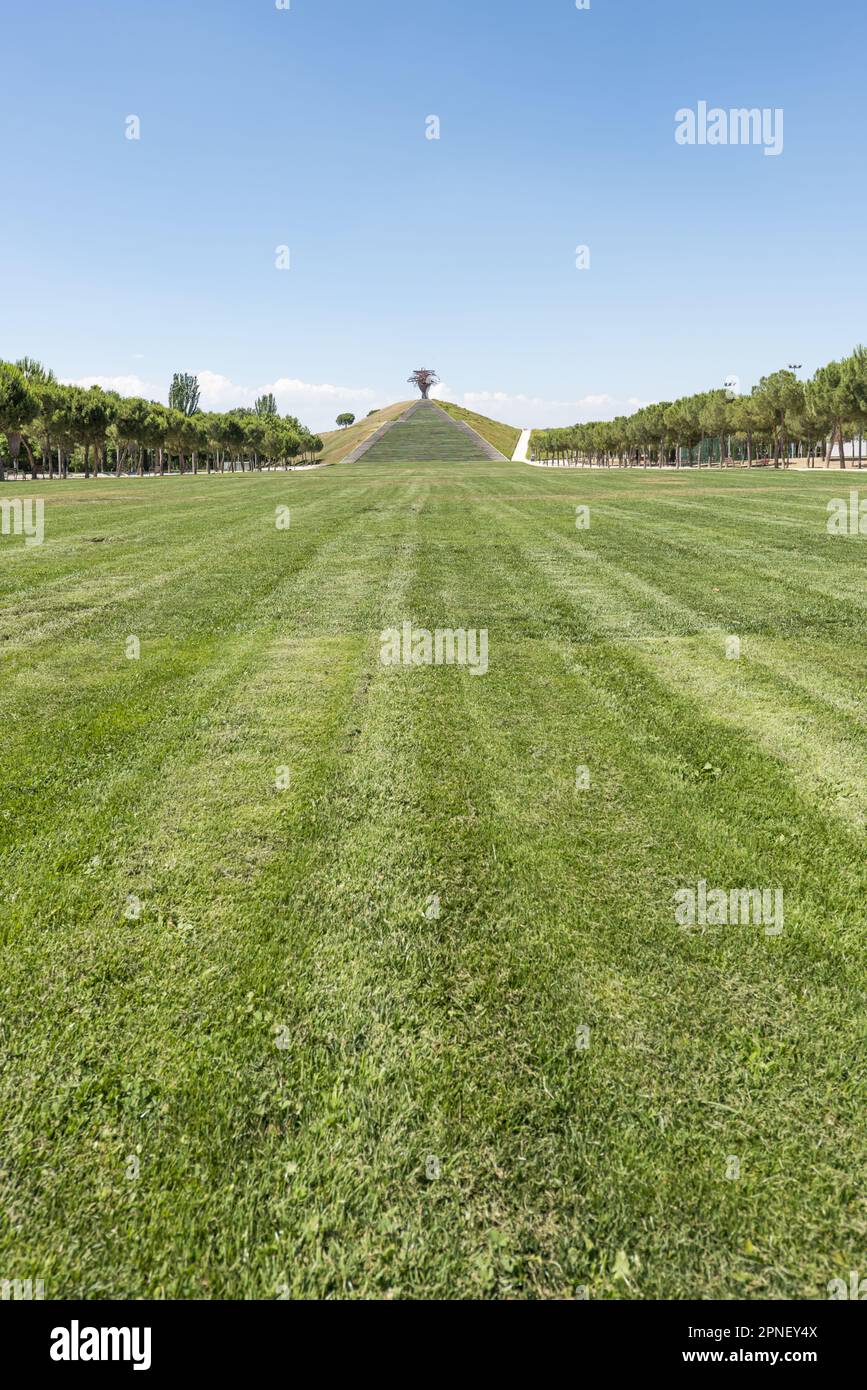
[(429, 434), (340, 443), (503, 437)]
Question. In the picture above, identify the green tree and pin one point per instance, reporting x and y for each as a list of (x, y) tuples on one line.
[(94, 412), (215, 428), (19, 404), (154, 433), (345, 420), (682, 420), (855, 391), (290, 438), (42, 381), (39, 378), (255, 438), (184, 393), (129, 430), (782, 394), (176, 436), (747, 419), (234, 437), (65, 423), (715, 420), (658, 430)]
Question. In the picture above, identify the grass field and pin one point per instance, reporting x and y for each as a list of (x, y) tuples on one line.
[(250, 1088)]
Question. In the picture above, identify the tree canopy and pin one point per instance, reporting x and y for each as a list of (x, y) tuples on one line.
[(67, 428), (781, 417), (184, 393)]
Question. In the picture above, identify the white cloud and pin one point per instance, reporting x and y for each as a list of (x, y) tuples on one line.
[(315, 403), (124, 385), (536, 412), (292, 395)]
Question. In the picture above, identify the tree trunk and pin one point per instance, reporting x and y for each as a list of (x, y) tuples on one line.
[(14, 442), (30, 457)]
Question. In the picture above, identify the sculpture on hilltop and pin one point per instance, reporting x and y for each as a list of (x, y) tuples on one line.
[(424, 379)]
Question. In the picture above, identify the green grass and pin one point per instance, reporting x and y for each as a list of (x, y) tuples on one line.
[(303, 910), (429, 433), (338, 444), (503, 437)]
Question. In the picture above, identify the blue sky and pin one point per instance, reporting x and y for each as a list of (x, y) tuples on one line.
[(123, 261)]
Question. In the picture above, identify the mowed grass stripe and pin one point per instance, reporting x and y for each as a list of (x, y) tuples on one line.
[(91, 583), (202, 917), (672, 776), (108, 725), (666, 1085), (775, 702)]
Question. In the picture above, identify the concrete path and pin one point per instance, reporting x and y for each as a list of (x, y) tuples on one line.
[(523, 448)]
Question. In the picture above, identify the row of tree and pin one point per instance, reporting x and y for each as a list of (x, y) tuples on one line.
[(782, 418), (53, 429)]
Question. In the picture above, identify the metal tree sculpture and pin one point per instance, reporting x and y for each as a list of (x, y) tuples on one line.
[(424, 379)]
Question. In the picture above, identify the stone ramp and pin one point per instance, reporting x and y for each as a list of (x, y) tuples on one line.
[(522, 448), (361, 449), (423, 433)]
